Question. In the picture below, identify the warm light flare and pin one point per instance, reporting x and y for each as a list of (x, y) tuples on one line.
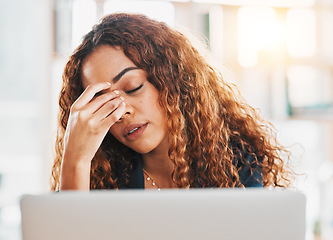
[(259, 31), (301, 32)]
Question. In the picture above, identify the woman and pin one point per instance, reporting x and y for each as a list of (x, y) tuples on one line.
[(141, 108)]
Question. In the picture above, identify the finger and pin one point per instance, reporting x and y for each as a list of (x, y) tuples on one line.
[(108, 108), (114, 116), (89, 93), (103, 99)]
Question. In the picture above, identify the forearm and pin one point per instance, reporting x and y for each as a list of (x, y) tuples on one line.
[(75, 176)]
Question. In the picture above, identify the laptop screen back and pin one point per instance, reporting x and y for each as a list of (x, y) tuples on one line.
[(231, 214)]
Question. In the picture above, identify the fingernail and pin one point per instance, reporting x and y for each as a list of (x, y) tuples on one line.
[(116, 92), (108, 83), (122, 98)]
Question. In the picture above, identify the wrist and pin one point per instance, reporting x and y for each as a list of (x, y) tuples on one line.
[(75, 175)]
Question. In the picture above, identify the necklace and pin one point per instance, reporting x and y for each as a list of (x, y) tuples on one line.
[(149, 178)]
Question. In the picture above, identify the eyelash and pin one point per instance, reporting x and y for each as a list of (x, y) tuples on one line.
[(134, 90)]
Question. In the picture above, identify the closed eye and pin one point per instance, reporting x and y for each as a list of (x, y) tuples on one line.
[(134, 90)]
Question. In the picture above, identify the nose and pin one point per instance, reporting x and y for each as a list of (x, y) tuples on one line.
[(129, 111)]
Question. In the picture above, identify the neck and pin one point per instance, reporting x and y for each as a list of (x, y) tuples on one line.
[(158, 165)]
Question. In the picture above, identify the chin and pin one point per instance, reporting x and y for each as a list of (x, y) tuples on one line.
[(142, 150)]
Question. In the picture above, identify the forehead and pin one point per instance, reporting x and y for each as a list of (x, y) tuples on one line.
[(104, 64)]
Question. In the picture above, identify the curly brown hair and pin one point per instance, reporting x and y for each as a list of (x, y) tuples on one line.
[(211, 128)]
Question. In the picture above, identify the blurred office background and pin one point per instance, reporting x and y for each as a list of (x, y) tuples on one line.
[(279, 53)]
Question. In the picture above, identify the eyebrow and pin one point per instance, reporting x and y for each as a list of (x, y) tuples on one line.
[(117, 78)]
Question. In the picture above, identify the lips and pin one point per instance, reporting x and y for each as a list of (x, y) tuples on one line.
[(134, 131)]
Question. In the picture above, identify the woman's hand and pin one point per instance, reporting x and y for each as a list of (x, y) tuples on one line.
[(89, 121)]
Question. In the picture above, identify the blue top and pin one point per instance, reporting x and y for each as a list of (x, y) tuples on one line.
[(250, 174)]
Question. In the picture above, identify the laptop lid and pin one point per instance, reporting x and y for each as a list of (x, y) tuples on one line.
[(232, 214)]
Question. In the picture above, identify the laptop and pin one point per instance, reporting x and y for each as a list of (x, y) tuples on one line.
[(229, 214)]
